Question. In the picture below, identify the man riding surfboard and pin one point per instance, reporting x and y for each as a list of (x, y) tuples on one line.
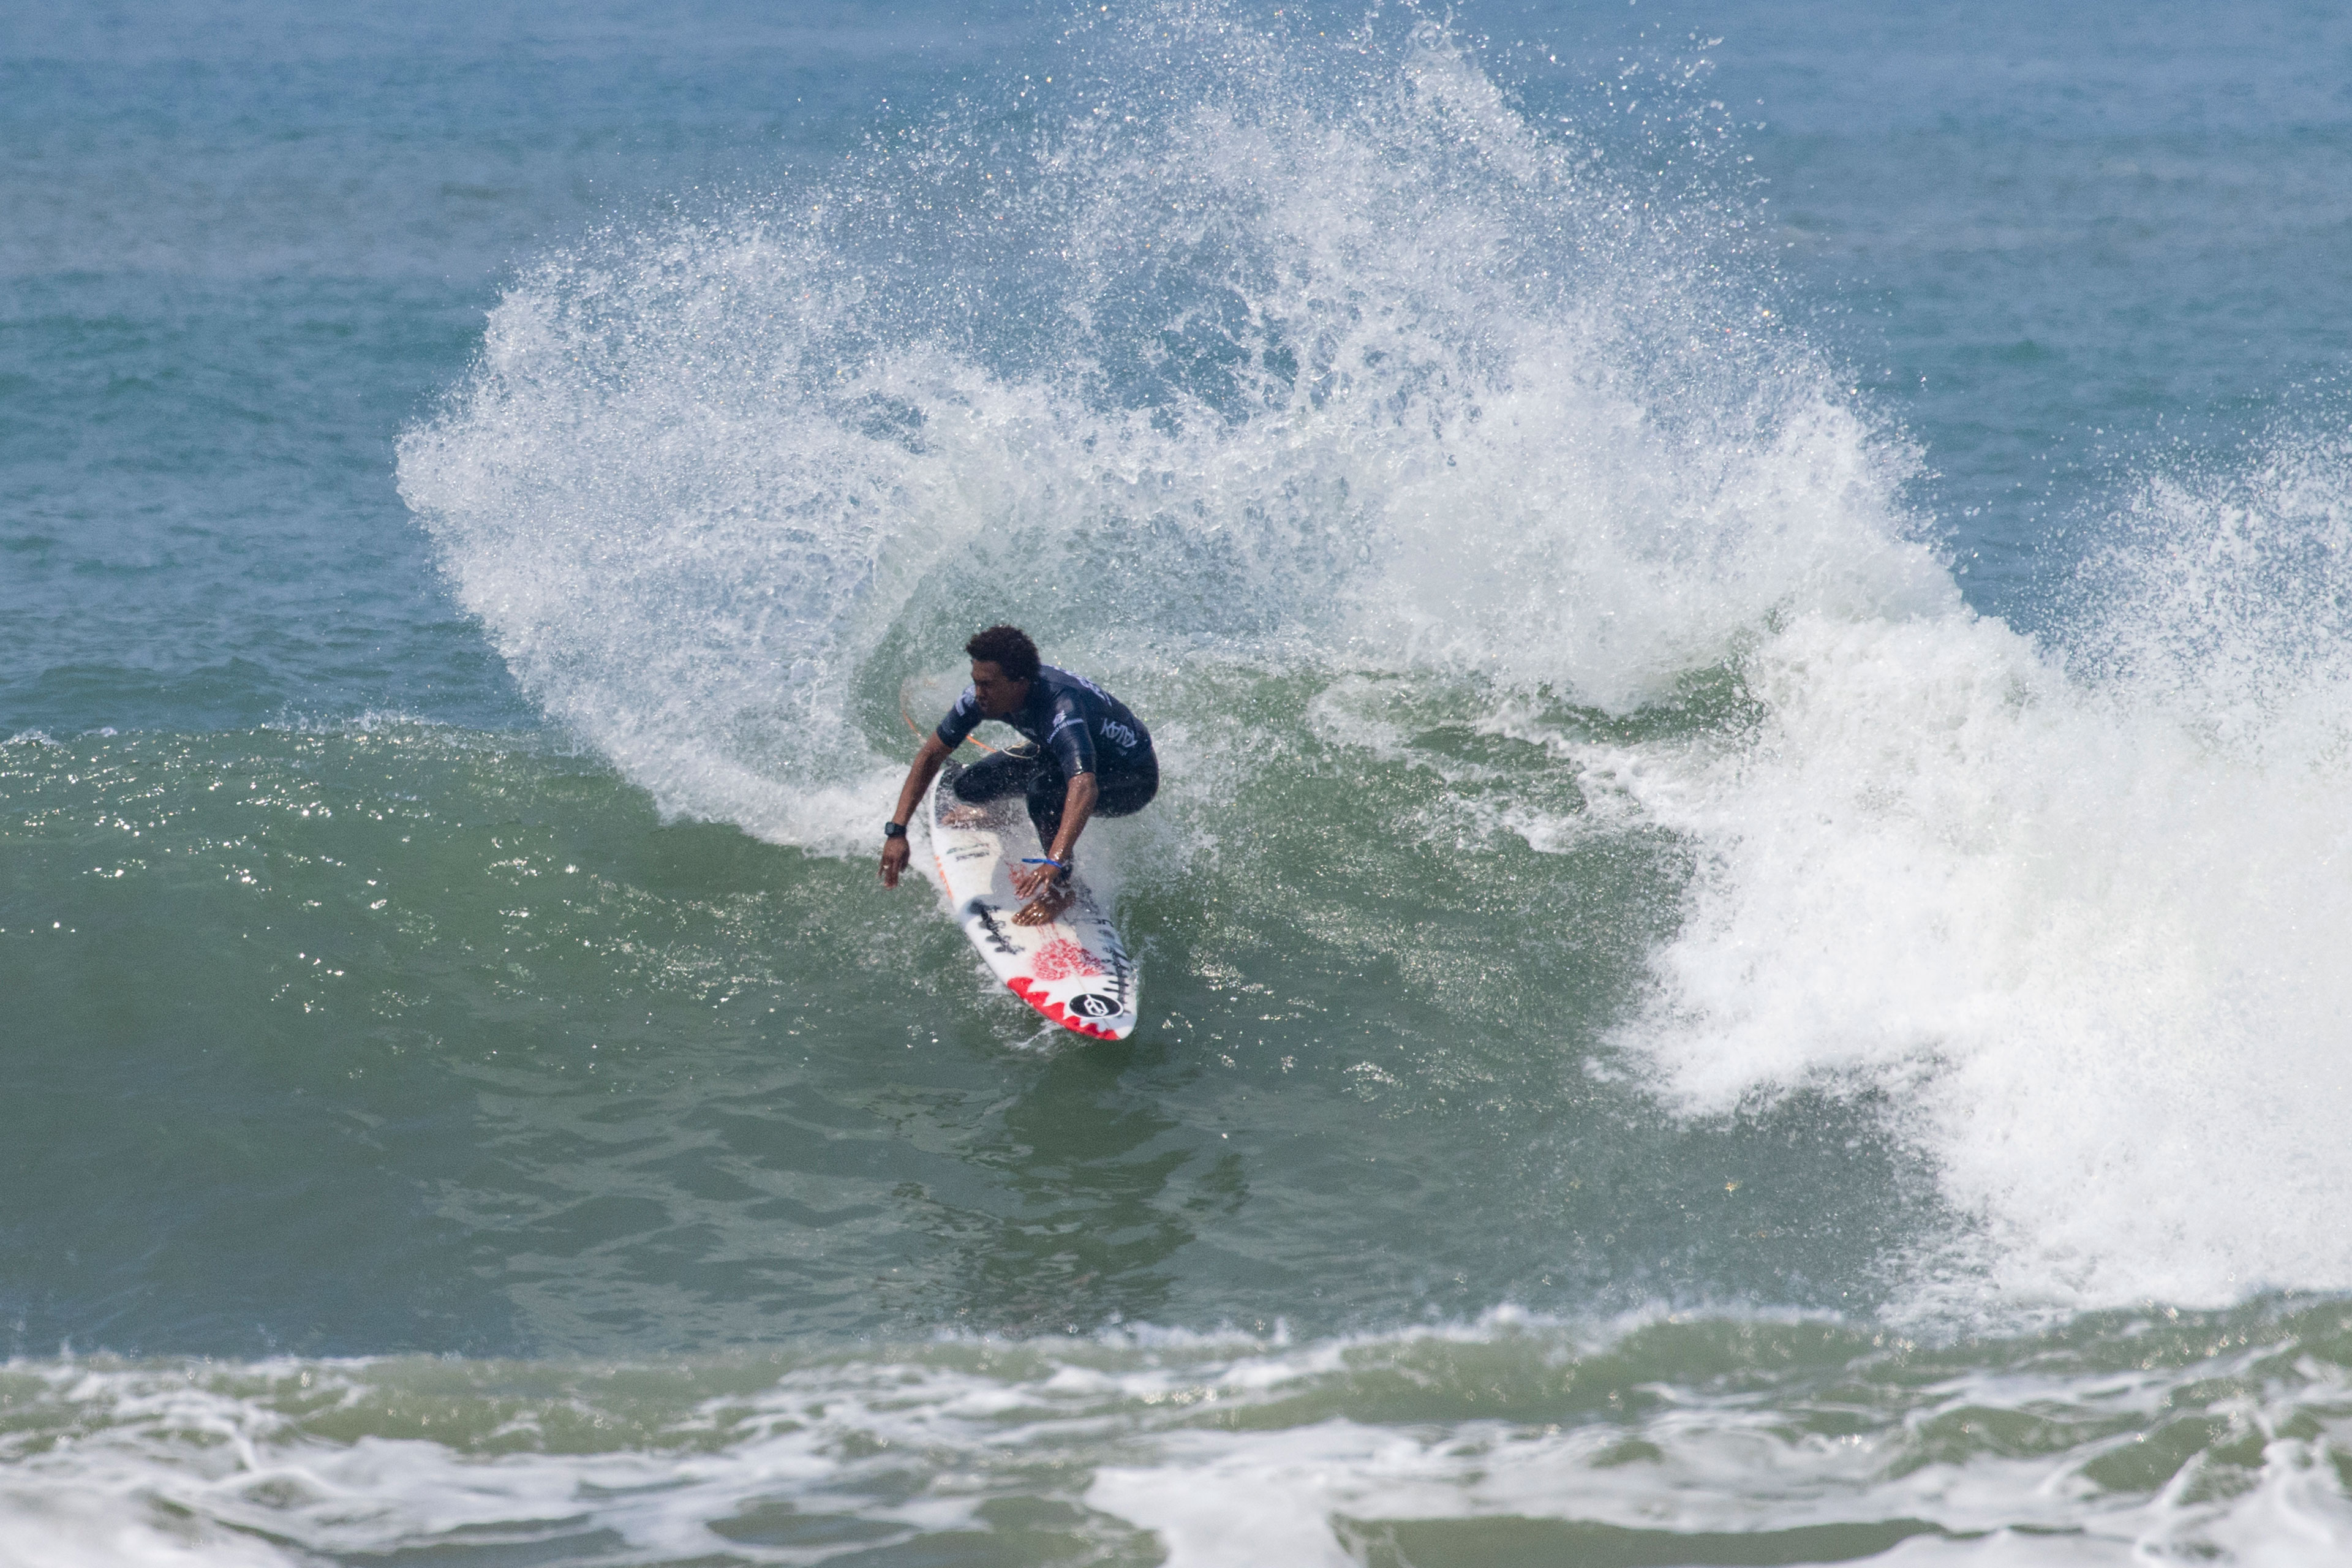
[(1090, 757)]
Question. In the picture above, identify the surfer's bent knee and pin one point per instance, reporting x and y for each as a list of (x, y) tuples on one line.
[(1130, 791)]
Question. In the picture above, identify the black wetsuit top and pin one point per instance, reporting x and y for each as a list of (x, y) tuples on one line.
[(1082, 727)]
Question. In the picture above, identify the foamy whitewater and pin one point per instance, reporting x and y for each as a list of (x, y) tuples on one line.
[(1725, 980)]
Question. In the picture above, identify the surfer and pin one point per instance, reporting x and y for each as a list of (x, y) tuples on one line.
[(1088, 757)]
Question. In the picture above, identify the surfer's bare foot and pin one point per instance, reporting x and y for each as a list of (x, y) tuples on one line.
[(1042, 909), (963, 817)]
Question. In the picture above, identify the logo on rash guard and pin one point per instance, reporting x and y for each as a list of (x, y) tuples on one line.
[(1113, 729)]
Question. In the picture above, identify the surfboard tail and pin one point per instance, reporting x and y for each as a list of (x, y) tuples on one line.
[(1090, 1012)]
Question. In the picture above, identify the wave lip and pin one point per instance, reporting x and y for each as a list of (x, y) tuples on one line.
[(1316, 351)]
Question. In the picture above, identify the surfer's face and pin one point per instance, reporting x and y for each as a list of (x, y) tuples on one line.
[(998, 692)]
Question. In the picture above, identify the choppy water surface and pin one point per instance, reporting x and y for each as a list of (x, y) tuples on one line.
[(1745, 608)]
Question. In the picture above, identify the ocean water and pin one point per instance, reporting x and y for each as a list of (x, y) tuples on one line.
[(1746, 611)]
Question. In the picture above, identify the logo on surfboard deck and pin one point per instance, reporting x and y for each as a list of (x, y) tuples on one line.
[(1063, 959), (996, 939), (1091, 1006)]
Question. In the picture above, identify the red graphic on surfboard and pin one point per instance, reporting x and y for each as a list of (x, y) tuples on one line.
[(1061, 959)]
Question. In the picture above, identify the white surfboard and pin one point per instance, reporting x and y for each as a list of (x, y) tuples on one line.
[(1074, 969)]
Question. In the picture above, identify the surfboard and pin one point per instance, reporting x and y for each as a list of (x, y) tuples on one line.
[(1073, 969)]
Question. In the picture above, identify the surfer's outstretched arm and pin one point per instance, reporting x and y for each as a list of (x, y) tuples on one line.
[(929, 756)]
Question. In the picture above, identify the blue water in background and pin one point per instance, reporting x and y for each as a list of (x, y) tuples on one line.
[(2089, 266), (244, 247)]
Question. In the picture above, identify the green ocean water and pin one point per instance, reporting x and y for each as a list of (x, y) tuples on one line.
[(474, 990)]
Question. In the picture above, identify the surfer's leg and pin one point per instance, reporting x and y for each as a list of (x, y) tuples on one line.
[(1117, 795), (1128, 790), (994, 777)]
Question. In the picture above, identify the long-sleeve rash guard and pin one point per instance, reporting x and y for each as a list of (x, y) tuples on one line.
[(1086, 729)]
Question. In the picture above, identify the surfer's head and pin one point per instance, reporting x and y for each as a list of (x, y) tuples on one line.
[(1003, 662)]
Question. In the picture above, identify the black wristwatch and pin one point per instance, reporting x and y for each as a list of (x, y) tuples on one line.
[(894, 830)]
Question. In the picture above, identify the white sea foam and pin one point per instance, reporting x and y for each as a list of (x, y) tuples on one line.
[(2080, 916), (2149, 1439), (1346, 362)]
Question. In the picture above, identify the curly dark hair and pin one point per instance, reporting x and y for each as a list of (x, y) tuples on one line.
[(1007, 647)]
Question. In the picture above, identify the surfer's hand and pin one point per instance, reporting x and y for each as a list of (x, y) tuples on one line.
[(1028, 880), (894, 860)]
